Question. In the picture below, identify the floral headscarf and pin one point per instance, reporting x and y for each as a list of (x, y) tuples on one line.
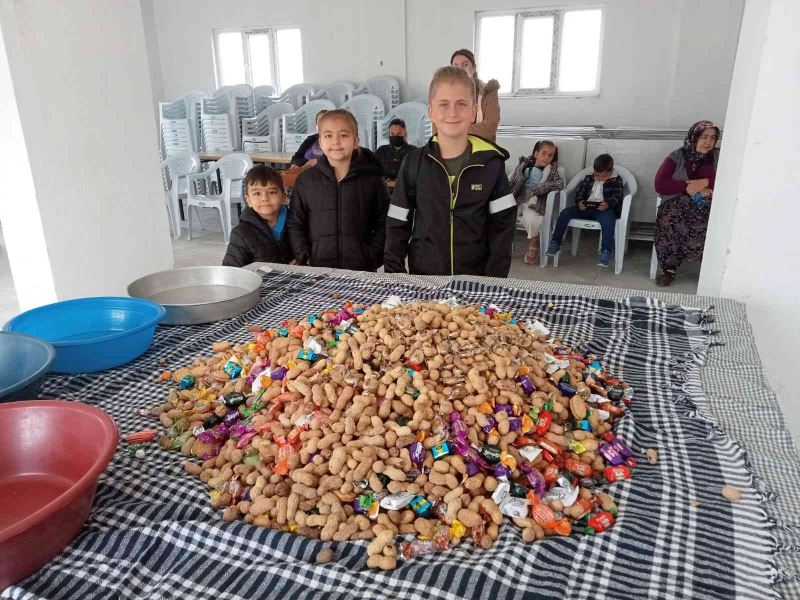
[(690, 143)]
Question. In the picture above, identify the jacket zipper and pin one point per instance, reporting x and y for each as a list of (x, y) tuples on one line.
[(453, 199)]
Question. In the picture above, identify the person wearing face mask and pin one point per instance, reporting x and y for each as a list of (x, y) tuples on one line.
[(392, 154)]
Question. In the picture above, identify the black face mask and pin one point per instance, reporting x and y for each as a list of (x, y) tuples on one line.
[(397, 141)]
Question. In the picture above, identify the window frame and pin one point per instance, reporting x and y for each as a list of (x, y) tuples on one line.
[(557, 12), (272, 33)]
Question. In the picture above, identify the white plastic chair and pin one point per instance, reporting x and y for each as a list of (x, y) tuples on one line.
[(193, 100), (418, 125), (265, 129), (368, 111), (264, 97), (216, 119), (295, 127), (384, 87), (232, 170), (174, 171), (338, 92), (621, 228), (546, 228), (654, 257), (297, 95)]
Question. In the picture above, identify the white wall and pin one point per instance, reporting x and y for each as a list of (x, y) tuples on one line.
[(752, 251), (666, 63), (341, 40), (83, 213)]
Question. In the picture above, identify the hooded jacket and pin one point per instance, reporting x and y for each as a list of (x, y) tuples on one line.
[(340, 224), (464, 229), (252, 240)]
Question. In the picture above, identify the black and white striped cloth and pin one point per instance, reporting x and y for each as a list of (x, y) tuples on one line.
[(153, 534)]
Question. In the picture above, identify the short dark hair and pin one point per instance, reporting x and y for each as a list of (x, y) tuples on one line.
[(263, 175), (603, 163), (399, 122)]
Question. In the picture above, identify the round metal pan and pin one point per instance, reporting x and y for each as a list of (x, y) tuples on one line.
[(199, 294)]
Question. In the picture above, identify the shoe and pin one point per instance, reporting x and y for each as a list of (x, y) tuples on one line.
[(532, 255), (604, 258), (554, 248), (665, 278)]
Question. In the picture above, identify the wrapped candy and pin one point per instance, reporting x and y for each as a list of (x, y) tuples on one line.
[(439, 543), (187, 382), (457, 427), (278, 374), (417, 450), (527, 385)]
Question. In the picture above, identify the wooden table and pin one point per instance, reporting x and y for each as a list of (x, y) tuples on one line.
[(281, 158)]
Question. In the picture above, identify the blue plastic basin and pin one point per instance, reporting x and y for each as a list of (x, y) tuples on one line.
[(24, 362), (92, 334)]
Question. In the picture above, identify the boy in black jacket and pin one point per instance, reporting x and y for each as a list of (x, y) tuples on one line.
[(261, 235), (597, 198), (452, 211)]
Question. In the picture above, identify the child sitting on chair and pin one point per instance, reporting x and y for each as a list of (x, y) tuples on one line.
[(533, 179), (597, 198), (260, 235)]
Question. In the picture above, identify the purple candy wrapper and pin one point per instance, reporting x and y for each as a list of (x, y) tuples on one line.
[(279, 373), (500, 470), (535, 478), (514, 423), (612, 454), (417, 452), (527, 384), (506, 408), (231, 417), (491, 423)]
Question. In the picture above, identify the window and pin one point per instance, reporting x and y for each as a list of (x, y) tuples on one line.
[(541, 52), (265, 56)]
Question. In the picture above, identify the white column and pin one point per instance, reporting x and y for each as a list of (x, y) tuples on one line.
[(752, 248), (83, 209)]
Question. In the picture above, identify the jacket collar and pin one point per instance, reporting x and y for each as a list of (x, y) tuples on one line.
[(481, 149), (363, 162)]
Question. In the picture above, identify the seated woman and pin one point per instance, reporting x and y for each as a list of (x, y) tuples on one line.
[(309, 151), (535, 177), (685, 182)]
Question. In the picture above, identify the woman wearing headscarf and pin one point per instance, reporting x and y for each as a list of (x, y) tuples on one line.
[(685, 182), (488, 118)]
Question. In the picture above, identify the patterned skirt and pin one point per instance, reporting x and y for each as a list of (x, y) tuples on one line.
[(680, 232)]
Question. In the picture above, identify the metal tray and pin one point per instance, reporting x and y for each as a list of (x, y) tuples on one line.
[(199, 294)]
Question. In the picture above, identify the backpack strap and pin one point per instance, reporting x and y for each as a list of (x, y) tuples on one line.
[(411, 176)]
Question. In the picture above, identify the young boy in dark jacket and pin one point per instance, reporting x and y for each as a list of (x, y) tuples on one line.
[(260, 235), (339, 206), (598, 197), (452, 210)]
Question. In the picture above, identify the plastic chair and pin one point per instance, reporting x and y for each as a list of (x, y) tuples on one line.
[(264, 97), (384, 87), (174, 171), (338, 92), (262, 133), (219, 133), (621, 228), (654, 257), (368, 111), (232, 169), (299, 124), (418, 125), (297, 95), (193, 100)]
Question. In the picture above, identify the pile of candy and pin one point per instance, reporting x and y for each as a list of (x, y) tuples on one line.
[(425, 418)]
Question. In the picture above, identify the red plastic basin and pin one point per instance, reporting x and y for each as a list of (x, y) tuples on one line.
[(51, 454)]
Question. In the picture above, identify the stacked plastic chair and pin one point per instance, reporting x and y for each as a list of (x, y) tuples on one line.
[(297, 126), (262, 133), (415, 116), (176, 130), (219, 134), (368, 111), (384, 87), (263, 97), (297, 95), (338, 92), (192, 100)]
